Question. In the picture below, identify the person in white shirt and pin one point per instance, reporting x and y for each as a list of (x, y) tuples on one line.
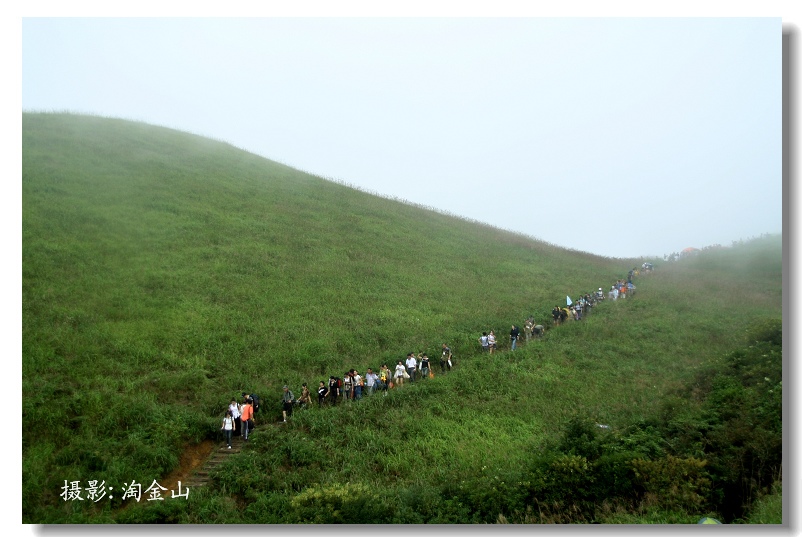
[(483, 342), (370, 380), (399, 373), (228, 427), (412, 366), (358, 385), (234, 408)]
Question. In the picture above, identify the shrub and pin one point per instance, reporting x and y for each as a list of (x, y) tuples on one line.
[(580, 438), (335, 503), (674, 483), (488, 493), (614, 476)]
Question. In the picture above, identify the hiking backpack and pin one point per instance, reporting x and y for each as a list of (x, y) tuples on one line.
[(255, 402)]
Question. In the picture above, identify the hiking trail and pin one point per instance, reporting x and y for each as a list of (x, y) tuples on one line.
[(198, 461)]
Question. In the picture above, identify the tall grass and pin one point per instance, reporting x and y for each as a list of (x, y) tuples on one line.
[(164, 274)]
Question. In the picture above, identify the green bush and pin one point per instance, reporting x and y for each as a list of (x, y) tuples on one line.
[(336, 503), (486, 494), (673, 483), (581, 438), (614, 477)]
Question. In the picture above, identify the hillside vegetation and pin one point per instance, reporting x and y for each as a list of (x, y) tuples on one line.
[(165, 273)]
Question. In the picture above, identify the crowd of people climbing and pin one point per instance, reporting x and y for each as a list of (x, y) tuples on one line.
[(353, 386), (239, 417)]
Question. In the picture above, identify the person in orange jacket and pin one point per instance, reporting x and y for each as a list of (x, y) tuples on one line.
[(247, 418)]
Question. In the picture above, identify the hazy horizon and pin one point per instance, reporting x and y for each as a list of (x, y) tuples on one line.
[(622, 137)]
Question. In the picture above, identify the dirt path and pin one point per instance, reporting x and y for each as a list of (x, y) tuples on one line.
[(198, 461), (192, 459)]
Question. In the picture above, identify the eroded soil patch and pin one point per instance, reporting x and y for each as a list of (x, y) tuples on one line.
[(192, 459)]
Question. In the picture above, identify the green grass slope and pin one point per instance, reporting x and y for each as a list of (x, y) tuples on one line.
[(164, 273)]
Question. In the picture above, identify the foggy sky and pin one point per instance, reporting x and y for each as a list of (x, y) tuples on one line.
[(618, 136)]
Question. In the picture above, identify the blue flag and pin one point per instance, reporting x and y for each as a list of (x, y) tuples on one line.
[(568, 299)]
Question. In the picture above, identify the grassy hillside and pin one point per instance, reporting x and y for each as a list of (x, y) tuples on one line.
[(165, 273)]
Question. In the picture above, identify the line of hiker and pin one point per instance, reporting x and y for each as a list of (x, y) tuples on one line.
[(353, 386), (574, 310), (620, 289)]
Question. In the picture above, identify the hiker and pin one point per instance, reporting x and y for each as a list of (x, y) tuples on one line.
[(483, 342), (399, 373), (370, 380), (555, 314), (234, 408), (491, 342), (412, 366), (538, 330), (385, 376), (530, 323), (424, 366), (334, 389), (514, 333), (359, 383), (228, 427), (305, 398), (287, 399), (322, 392), (587, 304), (348, 385), (446, 357), (247, 419), (255, 406)]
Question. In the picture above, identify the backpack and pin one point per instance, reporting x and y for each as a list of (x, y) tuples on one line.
[(255, 402)]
